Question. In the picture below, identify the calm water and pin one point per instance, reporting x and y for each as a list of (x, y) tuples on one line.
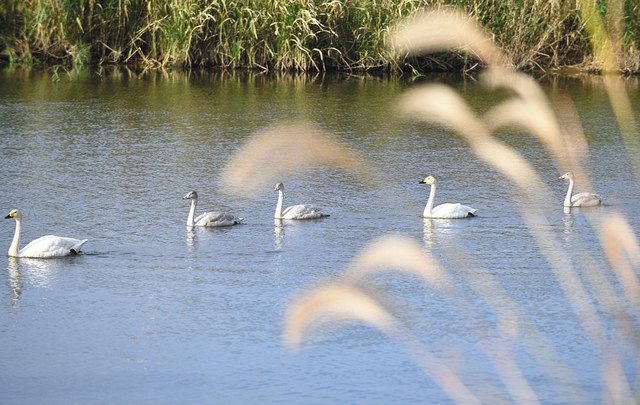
[(154, 313)]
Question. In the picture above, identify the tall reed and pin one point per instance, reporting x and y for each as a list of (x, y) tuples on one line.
[(276, 152), (610, 323)]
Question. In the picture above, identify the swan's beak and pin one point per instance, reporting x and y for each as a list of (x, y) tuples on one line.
[(8, 217), (421, 182)]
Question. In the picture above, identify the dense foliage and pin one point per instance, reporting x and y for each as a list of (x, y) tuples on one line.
[(293, 34)]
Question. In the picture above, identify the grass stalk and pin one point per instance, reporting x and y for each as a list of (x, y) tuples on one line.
[(298, 35)]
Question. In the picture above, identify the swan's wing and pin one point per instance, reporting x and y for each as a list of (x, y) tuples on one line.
[(585, 200), (52, 246), (216, 219), (303, 211), (452, 210)]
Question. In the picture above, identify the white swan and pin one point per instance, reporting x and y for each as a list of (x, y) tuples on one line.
[(44, 247), (446, 210), (580, 199), (300, 211), (208, 218)]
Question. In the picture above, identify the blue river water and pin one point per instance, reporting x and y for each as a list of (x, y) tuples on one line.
[(153, 312)]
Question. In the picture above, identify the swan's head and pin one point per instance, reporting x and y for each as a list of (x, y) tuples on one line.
[(13, 214), (428, 180), (191, 195), (279, 187), (567, 175)]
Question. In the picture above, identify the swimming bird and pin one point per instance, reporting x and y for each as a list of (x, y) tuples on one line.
[(300, 211), (446, 210), (580, 199), (214, 218), (44, 247)]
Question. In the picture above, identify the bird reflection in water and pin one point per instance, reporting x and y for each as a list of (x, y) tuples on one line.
[(190, 239), (278, 232), (439, 231), (567, 222), (428, 232), (15, 280)]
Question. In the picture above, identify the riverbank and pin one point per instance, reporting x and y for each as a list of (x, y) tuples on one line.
[(295, 35)]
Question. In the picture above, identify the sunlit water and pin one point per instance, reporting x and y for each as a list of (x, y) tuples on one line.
[(156, 313)]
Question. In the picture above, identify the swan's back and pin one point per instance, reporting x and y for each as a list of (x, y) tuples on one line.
[(585, 200), (452, 210), (52, 246), (216, 218), (303, 211)]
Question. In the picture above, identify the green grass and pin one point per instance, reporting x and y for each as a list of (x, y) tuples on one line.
[(290, 35)]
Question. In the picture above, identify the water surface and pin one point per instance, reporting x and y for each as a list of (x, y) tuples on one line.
[(153, 312)]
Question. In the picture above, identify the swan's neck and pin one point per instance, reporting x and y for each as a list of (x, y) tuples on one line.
[(278, 213), (13, 249), (429, 206), (192, 212), (567, 199)]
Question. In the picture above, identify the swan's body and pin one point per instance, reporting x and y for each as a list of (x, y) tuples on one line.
[(580, 199), (446, 210), (300, 211), (44, 247), (214, 218)]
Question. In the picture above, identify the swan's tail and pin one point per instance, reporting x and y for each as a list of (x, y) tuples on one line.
[(239, 220), (75, 249)]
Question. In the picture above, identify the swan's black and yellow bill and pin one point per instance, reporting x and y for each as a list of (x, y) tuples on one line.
[(421, 182), (11, 214), (8, 216)]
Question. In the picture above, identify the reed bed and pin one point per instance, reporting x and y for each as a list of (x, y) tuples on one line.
[(302, 35)]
